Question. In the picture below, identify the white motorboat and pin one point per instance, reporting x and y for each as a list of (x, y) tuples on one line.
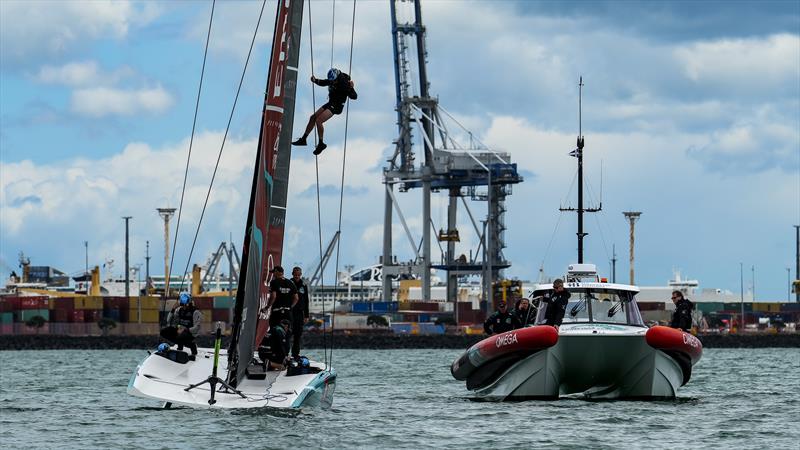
[(236, 378), (603, 350)]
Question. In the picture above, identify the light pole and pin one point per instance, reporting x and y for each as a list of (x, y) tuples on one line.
[(127, 269), (741, 292)]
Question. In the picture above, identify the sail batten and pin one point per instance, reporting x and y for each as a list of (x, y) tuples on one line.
[(266, 217)]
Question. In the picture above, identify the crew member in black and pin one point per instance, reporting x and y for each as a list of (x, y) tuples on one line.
[(682, 317), (282, 297), (501, 320), (524, 313), (556, 301), (183, 324), (300, 311), (274, 347), (340, 88)]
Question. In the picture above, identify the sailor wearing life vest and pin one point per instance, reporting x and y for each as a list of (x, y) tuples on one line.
[(183, 324), (501, 320)]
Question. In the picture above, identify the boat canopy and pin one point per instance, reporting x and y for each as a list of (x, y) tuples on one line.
[(597, 305)]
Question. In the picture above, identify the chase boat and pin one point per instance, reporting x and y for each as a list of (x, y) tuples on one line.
[(603, 350)]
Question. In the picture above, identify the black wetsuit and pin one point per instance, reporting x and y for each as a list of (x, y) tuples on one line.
[(556, 306), (682, 317), (274, 346), (500, 322), (284, 291), (338, 92), (299, 315)]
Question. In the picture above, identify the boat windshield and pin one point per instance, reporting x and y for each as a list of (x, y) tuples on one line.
[(597, 305)]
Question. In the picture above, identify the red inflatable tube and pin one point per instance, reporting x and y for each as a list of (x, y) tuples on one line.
[(520, 341), (674, 340)]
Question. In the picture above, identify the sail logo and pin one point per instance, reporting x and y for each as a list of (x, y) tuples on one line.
[(506, 339)]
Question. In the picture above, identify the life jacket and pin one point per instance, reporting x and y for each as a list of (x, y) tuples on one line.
[(186, 316)]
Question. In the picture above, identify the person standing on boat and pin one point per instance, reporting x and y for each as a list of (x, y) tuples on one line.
[(524, 313), (682, 317), (282, 297), (183, 324), (300, 310), (340, 88), (501, 320), (556, 301)]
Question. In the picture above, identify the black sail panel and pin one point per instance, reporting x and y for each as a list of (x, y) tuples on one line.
[(263, 243)]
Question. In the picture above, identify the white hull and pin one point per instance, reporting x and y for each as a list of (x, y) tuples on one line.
[(596, 361), (158, 378)]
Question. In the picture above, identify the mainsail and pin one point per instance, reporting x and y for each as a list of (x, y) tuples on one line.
[(266, 216)]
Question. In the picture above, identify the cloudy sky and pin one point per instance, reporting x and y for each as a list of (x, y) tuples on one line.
[(691, 108)]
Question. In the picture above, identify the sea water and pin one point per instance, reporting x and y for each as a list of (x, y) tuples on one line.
[(737, 398)]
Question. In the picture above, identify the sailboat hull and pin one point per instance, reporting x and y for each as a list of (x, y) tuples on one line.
[(158, 378), (597, 364)]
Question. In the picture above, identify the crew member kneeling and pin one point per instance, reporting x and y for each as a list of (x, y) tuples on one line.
[(183, 324), (274, 347)]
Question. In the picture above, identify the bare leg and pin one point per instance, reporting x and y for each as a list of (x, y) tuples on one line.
[(312, 121), (322, 116)]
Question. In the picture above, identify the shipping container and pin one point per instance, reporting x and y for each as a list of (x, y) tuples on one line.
[(33, 303), (6, 317), (203, 302), (424, 306), (790, 307), (147, 303), (6, 328), (76, 316), (9, 304), (360, 307), (27, 314), (114, 314), (220, 315), (60, 315), (116, 302), (207, 315), (92, 315), (148, 316), (223, 302)]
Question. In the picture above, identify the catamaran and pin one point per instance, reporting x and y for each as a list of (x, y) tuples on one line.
[(602, 350), (234, 378)]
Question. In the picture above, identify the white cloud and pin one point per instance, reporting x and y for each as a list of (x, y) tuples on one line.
[(30, 30), (766, 60), (106, 101), (81, 73)]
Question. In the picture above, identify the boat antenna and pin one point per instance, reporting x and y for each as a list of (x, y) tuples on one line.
[(578, 153)]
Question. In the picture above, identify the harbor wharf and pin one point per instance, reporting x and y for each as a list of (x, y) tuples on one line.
[(355, 341)]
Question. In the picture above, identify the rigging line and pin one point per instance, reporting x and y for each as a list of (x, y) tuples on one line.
[(344, 159), (224, 138), (189, 157), (333, 25), (319, 216), (597, 220)]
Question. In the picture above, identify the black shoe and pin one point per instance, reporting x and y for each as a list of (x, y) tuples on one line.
[(192, 357), (300, 141), (320, 147)]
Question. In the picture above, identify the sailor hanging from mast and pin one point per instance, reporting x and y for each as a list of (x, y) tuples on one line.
[(340, 88)]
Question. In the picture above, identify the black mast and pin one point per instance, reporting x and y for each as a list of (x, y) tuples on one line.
[(578, 153)]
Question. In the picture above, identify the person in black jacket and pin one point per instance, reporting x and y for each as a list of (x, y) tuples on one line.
[(274, 347), (682, 317), (500, 321), (300, 311), (524, 313), (282, 298), (556, 301), (340, 88)]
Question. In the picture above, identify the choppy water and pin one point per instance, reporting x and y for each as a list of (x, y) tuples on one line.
[(398, 399)]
